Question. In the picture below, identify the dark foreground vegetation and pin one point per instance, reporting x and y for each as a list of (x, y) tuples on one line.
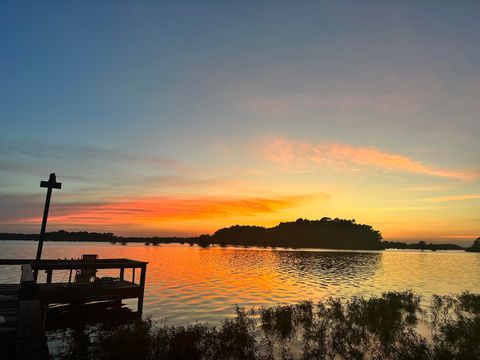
[(384, 327), (325, 233)]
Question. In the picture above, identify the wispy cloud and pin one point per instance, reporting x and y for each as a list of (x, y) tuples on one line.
[(151, 211), (290, 101), (334, 155), (188, 181), (36, 150), (31, 156), (15, 206), (454, 198), (426, 188)]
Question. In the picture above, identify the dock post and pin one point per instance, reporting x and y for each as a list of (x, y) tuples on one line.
[(143, 275), (31, 343), (122, 273), (49, 276)]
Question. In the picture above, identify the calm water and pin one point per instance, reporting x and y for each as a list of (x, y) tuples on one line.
[(193, 284)]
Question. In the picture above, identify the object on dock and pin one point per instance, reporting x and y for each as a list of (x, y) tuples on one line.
[(87, 275)]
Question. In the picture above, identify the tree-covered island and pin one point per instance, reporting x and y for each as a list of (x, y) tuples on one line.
[(475, 247), (303, 233)]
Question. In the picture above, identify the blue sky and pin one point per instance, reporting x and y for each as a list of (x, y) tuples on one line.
[(186, 101)]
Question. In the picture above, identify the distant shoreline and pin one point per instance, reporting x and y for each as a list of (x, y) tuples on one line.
[(183, 241), (413, 246), (326, 233)]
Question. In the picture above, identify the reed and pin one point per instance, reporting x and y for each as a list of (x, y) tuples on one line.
[(382, 327)]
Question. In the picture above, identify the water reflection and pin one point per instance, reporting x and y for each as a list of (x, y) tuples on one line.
[(329, 267), (187, 284)]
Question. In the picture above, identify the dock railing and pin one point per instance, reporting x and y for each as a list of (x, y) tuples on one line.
[(93, 293)]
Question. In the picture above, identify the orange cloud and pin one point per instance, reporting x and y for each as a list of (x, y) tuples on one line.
[(150, 211), (454, 198), (306, 155)]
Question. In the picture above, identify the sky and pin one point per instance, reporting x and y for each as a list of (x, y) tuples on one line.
[(181, 117)]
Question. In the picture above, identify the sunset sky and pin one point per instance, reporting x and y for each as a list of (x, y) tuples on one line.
[(182, 117)]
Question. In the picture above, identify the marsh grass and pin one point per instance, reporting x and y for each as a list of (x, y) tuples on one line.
[(383, 327)]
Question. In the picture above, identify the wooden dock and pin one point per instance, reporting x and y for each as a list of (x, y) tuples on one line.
[(25, 306)]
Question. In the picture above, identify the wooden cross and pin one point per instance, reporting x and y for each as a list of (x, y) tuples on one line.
[(50, 184)]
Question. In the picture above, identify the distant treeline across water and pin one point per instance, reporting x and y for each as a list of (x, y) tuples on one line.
[(302, 233)]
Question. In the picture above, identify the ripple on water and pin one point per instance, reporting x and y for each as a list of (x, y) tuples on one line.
[(191, 284)]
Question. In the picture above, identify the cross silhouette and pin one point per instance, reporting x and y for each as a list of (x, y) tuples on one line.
[(50, 184)]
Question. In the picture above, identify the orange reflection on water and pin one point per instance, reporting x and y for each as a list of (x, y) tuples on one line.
[(193, 284)]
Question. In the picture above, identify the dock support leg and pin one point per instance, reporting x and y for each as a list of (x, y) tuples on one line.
[(143, 275), (122, 273), (49, 276)]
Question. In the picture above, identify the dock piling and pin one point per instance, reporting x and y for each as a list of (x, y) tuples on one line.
[(143, 275)]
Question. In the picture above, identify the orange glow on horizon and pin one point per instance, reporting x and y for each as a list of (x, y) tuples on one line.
[(153, 211)]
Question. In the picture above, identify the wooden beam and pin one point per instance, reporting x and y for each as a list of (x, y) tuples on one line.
[(49, 276), (58, 293), (74, 263), (143, 276)]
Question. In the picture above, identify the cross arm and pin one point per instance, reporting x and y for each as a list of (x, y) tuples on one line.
[(51, 183)]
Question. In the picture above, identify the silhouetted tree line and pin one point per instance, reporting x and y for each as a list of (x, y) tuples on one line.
[(324, 233), (421, 245), (302, 233), (63, 235), (475, 247)]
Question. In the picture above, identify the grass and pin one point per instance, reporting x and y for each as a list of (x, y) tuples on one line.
[(383, 327)]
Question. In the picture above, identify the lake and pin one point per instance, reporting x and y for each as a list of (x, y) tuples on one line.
[(187, 283)]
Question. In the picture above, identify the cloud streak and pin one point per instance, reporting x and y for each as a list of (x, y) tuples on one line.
[(291, 101), (151, 211), (77, 162), (454, 198), (56, 152), (335, 155)]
